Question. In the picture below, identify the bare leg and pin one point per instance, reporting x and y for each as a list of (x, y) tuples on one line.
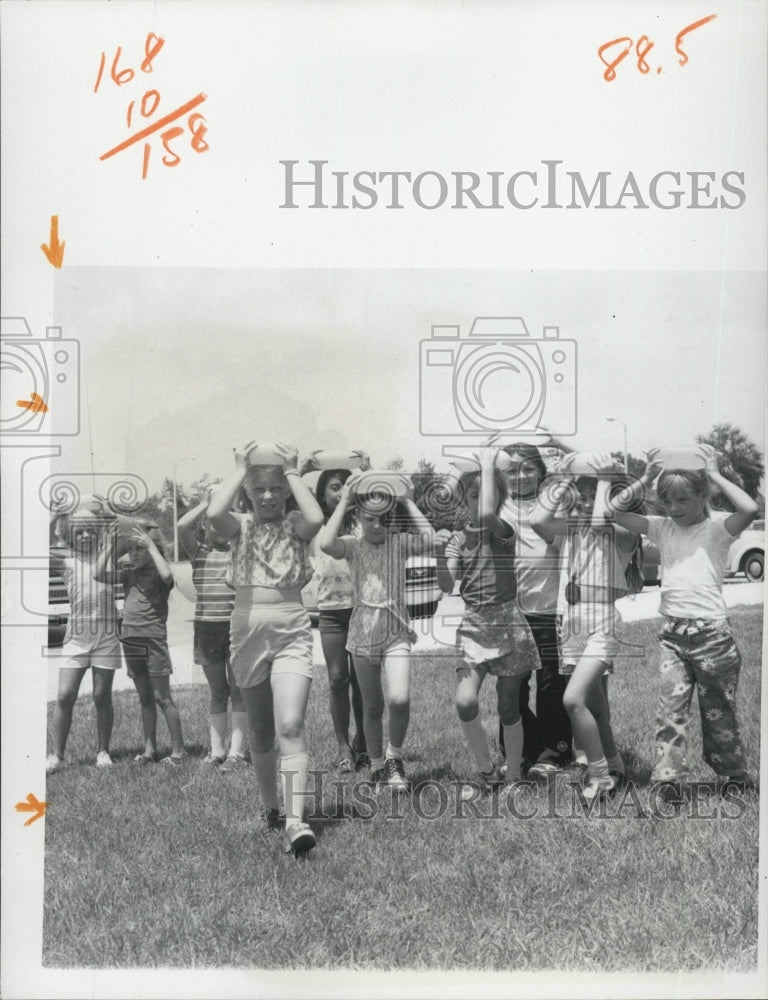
[(102, 699), (70, 679)]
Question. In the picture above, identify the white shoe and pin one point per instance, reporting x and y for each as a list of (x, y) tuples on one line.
[(104, 760), (53, 763), (599, 788)]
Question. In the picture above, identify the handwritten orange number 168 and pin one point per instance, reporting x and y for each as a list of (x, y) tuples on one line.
[(148, 105), (642, 47)]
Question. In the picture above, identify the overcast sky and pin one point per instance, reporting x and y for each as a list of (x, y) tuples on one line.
[(181, 364)]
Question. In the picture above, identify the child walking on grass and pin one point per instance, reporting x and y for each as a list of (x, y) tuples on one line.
[(596, 556), (147, 582), (210, 559), (698, 650), (494, 637), (380, 635), (270, 632), (334, 603), (91, 641)]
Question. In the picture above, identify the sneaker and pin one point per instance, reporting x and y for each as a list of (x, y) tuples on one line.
[(142, 758), (485, 781), (346, 765), (362, 759), (619, 779), (172, 762), (378, 777), (542, 770), (234, 762), (273, 819), (104, 760), (53, 763), (212, 761), (598, 788), (395, 774), (299, 839)]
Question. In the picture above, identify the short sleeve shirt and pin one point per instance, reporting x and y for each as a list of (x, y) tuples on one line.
[(145, 608), (334, 580), (486, 566), (693, 561), (215, 598), (537, 562)]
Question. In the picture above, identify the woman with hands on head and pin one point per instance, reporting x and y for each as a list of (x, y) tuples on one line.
[(698, 649), (271, 637)]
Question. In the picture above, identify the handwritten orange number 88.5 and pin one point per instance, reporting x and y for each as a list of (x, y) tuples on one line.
[(642, 47)]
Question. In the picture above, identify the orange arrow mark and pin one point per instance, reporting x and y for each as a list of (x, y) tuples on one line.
[(36, 404), (54, 252), (31, 806)]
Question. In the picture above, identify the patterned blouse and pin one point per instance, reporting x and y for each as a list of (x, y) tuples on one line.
[(269, 554)]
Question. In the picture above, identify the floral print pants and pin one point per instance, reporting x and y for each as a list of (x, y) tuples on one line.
[(698, 653)]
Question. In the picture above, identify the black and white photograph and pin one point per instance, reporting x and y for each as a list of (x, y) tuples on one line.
[(384, 519)]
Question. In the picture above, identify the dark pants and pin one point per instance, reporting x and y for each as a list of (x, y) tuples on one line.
[(547, 734)]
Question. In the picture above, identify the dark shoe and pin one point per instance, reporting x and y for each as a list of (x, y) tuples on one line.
[(273, 819), (299, 839)]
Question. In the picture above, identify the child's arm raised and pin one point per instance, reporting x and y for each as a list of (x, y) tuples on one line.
[(602, 510), (144, 539), (328, 539), (746, 508), (628, 497), (446, 556), (488, 502), (219, 507), (105, 570), (556, 492), (186, 526), (310, 519), (422, 538)]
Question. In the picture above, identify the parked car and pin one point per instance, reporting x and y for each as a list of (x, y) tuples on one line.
[(747, 554)]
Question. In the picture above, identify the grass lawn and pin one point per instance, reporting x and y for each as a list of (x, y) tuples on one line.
[(145, 868)]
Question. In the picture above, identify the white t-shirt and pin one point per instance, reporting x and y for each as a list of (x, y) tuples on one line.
[(692, 566), (537, 563)]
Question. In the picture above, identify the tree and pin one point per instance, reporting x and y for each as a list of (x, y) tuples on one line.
[(739, 459), (434, 493), (635, 466)]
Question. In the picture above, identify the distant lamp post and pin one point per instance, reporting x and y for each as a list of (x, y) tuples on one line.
[(615, 420), (175, 500)]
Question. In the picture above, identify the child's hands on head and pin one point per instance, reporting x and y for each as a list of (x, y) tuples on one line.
[(603, 464), (289, 454), (365, 461), (486, 456), (653, 465), (243, 454), (140, 537), (709, 456)]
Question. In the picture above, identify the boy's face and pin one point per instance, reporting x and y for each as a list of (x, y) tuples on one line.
[(586, 489), (139, 556), (522, 477)]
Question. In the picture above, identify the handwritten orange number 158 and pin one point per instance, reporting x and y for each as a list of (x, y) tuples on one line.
[(642, 47), (148, 105)]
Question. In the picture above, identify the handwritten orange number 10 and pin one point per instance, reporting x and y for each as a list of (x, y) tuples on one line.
[(642, 47)]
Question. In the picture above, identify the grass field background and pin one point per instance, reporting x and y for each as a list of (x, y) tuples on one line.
[(150, 868)]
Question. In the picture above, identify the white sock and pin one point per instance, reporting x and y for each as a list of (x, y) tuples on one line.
[(239, 742), (264, 764), (598, 769), (513, 742), (616, 764), (294, 772), (579, 757), (218, 725), (393, 753), (477, 741), (377, 763)]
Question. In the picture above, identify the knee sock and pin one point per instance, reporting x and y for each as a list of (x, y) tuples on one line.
[(294, 772), (598, 770), (377, 763), (218, 725), (513, 741), (239, 742), (579, 757), (265, 766), (393, 753), (477, 741)]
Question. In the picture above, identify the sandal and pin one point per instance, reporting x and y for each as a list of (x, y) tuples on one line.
[(141, 758)]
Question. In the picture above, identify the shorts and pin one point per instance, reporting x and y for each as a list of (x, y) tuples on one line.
[(211, 647), (334, 621), (498, 637), (588, 630), (269, 639), (147, 654), (101, 651)]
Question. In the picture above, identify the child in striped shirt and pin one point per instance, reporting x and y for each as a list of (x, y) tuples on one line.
[(208, 552)]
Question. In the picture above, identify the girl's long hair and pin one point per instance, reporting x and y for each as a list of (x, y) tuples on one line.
[(322, 483), (528, 453)]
